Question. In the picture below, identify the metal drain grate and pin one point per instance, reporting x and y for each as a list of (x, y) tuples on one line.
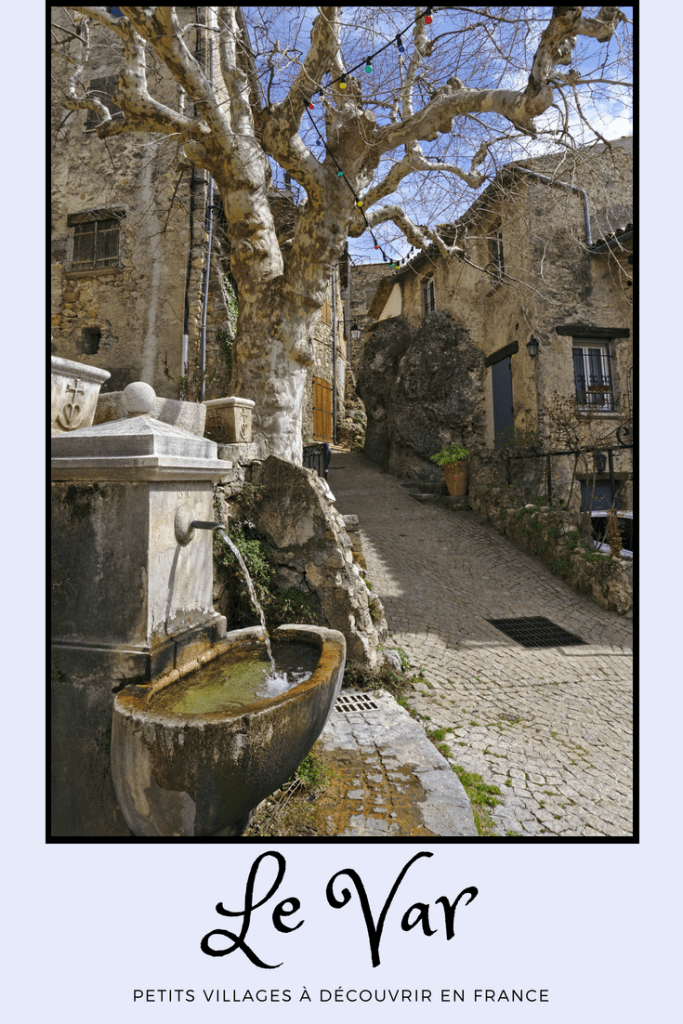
[(536, 632), (347, 704)]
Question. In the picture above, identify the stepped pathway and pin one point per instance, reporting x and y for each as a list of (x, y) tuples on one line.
[(552, 727)]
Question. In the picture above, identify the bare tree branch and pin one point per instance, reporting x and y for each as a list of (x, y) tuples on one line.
[(418, 235), (161, 30), (282, 121)]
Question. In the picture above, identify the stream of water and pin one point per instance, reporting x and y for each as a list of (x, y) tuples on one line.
[(252, 593)]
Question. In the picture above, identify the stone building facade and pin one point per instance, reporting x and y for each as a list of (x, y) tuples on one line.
[(359, 285), (545, 255), (129, 246)]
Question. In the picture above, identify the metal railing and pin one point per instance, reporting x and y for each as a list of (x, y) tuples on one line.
[(317, 457), (602, 450)]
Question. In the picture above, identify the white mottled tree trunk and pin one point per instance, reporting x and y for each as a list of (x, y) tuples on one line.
[(232, 131)]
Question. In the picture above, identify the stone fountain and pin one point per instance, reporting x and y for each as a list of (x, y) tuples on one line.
[(132, 606)]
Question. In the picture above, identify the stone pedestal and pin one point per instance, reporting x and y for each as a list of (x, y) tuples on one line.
[(228, 420), (75, 388), (132, 587), (186, 415)]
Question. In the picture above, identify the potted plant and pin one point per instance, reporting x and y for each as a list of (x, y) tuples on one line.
[(453, 460)]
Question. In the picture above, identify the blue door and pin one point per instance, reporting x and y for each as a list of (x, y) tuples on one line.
[(503, 415)]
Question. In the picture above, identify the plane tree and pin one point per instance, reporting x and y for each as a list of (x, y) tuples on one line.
[(461, 85)]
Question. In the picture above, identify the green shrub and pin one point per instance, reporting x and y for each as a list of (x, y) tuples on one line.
[(450, 454), (279, 606)]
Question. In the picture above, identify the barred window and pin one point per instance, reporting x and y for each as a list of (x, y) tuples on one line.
[(495, 243), (428, 303), (593, 376), (96, 238), (102, 89)]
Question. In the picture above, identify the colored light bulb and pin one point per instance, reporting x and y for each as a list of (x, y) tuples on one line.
[(399, 43), (368, 66), (428, 16), (342, 82), (340, 174)]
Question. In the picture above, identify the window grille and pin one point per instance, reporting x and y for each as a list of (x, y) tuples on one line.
[(96, 244), (102, 89), (497, 262), (593, 376), (428, 302)]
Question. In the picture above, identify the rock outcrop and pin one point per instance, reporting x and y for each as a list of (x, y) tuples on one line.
[(422, 389), (314, 553)]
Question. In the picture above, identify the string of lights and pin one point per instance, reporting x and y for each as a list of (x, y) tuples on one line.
[(426, 15)]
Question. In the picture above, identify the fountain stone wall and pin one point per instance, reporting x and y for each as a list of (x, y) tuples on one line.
[(132, 587)]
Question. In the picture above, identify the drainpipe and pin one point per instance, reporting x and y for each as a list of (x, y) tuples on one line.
[(628, 392), (184, 357), (186, 318), (347, 311), (573, 188), (209, 227), (334, 355)]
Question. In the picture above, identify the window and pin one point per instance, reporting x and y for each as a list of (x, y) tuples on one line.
[(96, 239), (495, 242), (102, 89), (428, 304), (89, 342), (593, 376)]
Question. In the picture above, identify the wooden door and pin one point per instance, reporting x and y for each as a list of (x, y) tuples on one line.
[(322, 410)]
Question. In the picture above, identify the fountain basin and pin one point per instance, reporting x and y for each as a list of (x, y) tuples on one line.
[(189, 774)]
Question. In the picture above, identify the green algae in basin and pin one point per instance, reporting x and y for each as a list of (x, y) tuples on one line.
[(239, 678)]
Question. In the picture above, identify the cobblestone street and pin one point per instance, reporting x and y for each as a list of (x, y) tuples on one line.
[(552, 727)]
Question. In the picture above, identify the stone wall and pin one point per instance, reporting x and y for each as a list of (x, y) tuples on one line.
[(559, 538), (128, 318), (552, 288), (357, 297), (325, 359)]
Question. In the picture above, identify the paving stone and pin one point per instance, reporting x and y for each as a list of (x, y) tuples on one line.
[(414, 792), (441, 574)]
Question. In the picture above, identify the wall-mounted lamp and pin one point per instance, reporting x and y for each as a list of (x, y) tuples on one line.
[(532, 347), (355, 331)]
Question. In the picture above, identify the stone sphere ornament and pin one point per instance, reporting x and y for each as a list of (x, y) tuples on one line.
[(138, 399)]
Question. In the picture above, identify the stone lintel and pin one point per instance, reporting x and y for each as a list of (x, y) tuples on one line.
[(587, 331)]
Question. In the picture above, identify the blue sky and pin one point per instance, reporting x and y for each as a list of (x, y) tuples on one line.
[(500, 58)]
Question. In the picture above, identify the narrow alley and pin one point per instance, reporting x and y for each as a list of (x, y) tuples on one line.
[(552, 727)]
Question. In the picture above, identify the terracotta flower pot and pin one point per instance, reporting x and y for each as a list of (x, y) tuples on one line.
[(457, 478)]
